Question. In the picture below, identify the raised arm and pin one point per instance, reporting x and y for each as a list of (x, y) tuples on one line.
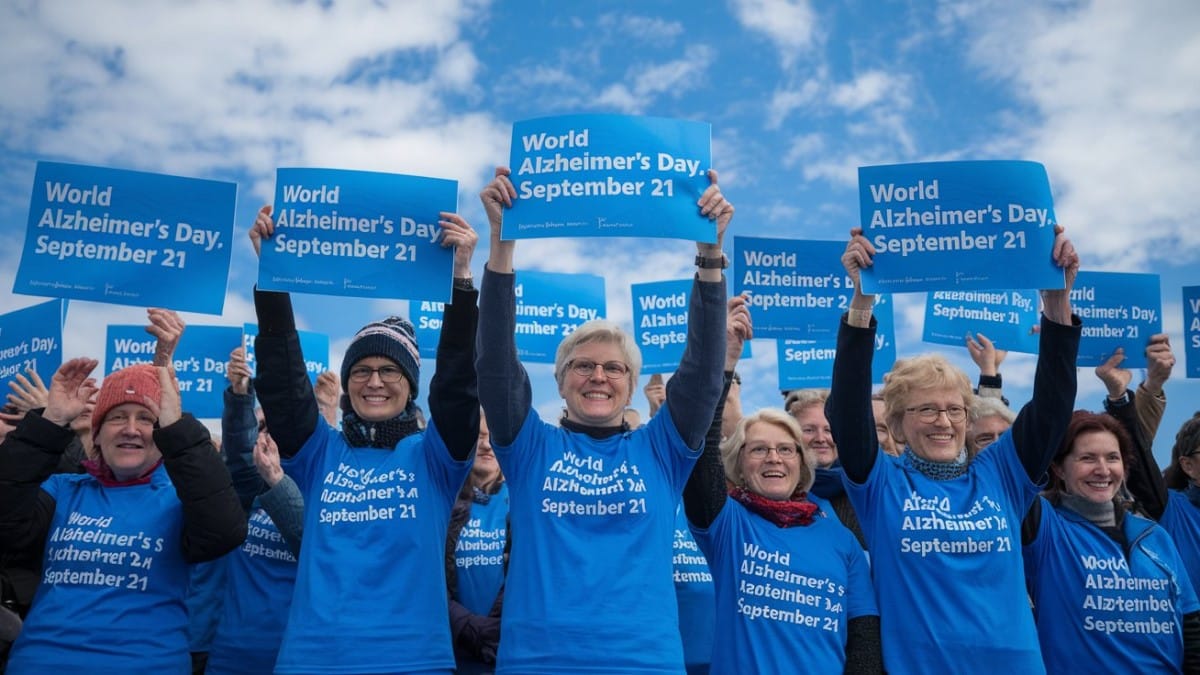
[(695, 388), (1151, 400), (504, 389), (454, 389), (656, 393), (329, 393), (281, 381), (987, 358), (1144, 479), (167, 328), (848, 407), (1040, 425), (704, 495), (282, 500), (239, 429), (213, 520), (27, 392), (31, 451)]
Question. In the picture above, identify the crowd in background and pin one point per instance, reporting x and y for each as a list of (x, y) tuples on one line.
[(340, 528)]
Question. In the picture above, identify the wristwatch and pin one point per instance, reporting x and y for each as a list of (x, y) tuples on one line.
[(712, 263)]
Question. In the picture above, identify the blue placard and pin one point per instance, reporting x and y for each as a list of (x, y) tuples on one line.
[(31, 339), (958, 226), (551, 306), (315, 347), (609, 176), (1007, 318), (1118, 309), (127, 238), (200, 360), (809, 363), (660, 321), (1191, 330), (798, 289), (426, 316), (359, 233)]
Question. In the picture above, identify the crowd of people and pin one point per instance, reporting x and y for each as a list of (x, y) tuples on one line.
[(339, 528)]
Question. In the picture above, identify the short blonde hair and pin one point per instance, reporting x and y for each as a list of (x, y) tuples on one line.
[(731, 448), (927, 371)]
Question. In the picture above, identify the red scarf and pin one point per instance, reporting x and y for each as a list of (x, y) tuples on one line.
[(102, 472), (784, 513)]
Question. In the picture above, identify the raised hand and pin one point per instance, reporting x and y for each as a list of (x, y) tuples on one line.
[(498, 195), (656, 392), (738, 328), (984, 354), (266, 459), (458, 233), (1115, 378), (328, 392), (169, 408), (1057, 302), (1159, 362), (714, 206), (28, 392), (70, 390), (262, 229), (166, 326), (859, 255), (237, 371)]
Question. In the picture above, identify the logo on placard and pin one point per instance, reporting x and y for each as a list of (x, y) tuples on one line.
[(603, 223)]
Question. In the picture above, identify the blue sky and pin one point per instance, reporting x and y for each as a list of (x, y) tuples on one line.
[(799, 95)]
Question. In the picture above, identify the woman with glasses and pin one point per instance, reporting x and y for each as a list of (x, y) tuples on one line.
[(943, 530), (370, 587), (1110, 592), (592, 502), (792, 583)]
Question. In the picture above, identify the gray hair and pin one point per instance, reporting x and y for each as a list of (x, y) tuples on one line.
[(599, 330), (731, 448)]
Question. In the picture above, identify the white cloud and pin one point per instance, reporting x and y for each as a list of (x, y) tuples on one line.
[(648, 29), (650, 81), (791, 25), (1117, 121), (868, 89)]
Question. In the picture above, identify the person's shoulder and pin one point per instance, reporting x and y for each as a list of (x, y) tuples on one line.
[(71, 480)]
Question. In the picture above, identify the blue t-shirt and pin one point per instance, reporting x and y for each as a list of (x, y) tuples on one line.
[(113, 582), (479, 554), (260, 576), (370, 592), (590, 575), (694, 595), (784, 594), (946, 558), (1181, 519), (1099, 610)]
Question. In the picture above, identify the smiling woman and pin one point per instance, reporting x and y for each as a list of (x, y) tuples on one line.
[(594, 500), (933, 517), (1100, 575), (351, 478), (155, 499)]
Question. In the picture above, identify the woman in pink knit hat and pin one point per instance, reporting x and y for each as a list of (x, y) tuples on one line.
[(118, 539)]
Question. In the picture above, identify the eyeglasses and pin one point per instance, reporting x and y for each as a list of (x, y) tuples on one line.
[(761, 451), (930, 413), (613, 370), (388, 374)]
